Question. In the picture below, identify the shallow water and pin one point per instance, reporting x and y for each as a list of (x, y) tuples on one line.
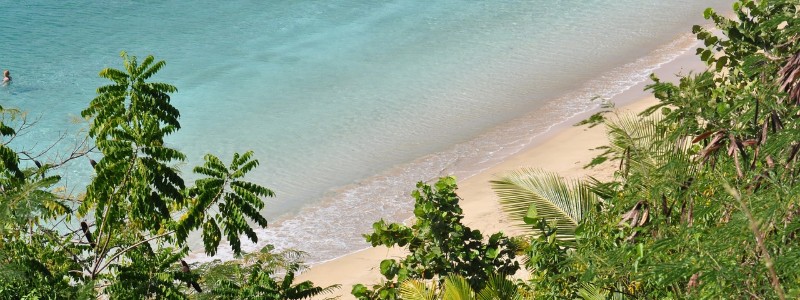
[(346, 103)]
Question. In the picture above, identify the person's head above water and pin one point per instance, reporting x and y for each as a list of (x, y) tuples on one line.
[(7, 74)]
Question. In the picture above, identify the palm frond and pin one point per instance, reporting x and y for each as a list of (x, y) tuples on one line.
[(591, 292), (790, 78), (457, 288), (500, 287), (632, 140), (530, 195), (416, 290)]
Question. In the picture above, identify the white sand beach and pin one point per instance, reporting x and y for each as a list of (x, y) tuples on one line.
[(565, 149)]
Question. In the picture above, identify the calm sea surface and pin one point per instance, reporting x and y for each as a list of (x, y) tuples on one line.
[(346, 103)]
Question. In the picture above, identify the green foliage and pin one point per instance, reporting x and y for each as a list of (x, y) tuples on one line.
[(704, 203), (457, 287), (24, 196), (130, 119), (9, 160), (529, 196), (745, 135), (593, 120), (149, 274), (598, 117), (38, 267), (241, 202), (137, 190), (34, 262), (439, 245), (551, 265), (253, 277), (26, 202), (137, 212)]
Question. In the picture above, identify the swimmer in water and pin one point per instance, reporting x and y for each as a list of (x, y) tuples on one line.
[(6, 77)]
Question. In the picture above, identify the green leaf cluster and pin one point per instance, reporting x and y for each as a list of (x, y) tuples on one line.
[(254, 277), (237, 202), (439, 245)]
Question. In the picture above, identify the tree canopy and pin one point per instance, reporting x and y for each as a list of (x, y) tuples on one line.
[(126, 236)]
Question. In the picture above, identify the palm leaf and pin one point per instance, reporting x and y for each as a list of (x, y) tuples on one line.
[(500, 287), (457, 288), (529, 195), (416, 290), (588, 291), (591, 292), (645, 147), (634, 140)]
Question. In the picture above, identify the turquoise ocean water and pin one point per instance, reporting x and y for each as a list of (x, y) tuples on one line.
[(346, 103)]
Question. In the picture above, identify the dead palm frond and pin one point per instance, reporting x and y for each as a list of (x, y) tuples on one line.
[(790, 78), (531, 195)]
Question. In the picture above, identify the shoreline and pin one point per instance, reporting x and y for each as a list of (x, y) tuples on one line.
[(564, 152), (621, 84), (465, 159), (563, 149)]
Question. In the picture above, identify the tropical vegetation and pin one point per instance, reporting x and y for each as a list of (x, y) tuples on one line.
[(703, 203), (439, 245), (704, 200), (126, 235)]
